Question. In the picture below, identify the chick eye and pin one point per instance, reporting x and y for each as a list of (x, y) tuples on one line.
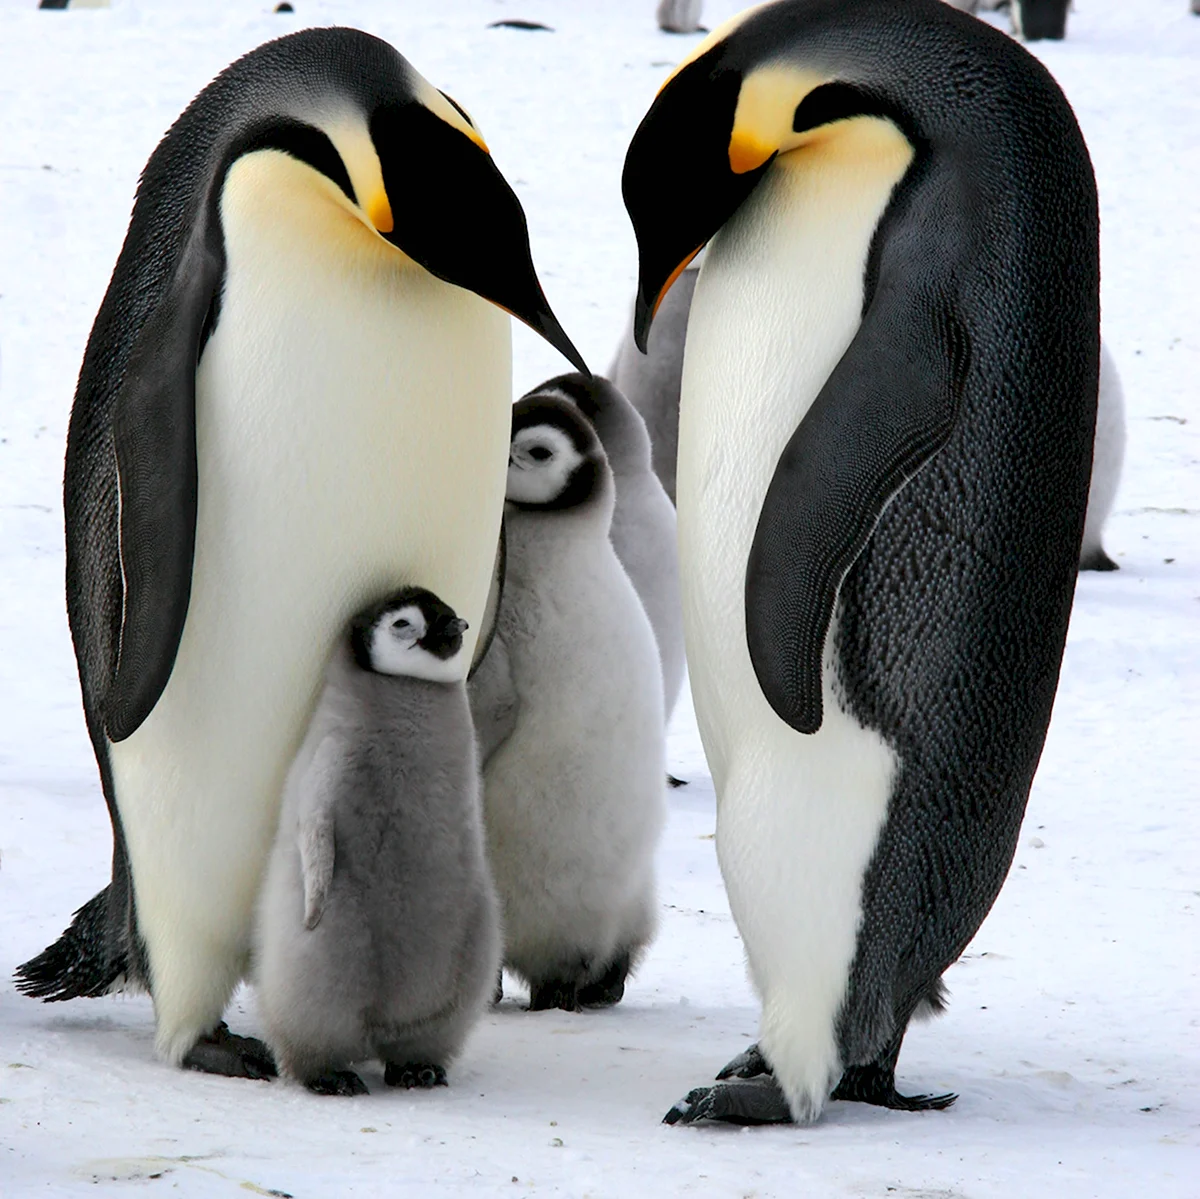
[(540, 453), (400, 625)]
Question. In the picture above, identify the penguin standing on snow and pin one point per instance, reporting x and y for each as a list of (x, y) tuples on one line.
[(643, 522), (303, 335), (888, 401), (569, 703), (378, 932)]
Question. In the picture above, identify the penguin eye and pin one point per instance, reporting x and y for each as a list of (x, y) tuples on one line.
[(540, 453), (401, 624)]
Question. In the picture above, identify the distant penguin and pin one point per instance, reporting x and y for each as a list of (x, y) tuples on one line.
[(1108, 455), (643, 523), (377, 932), (1033, 20), (888, 403), (573, 793), (650, 381), (295, 398), (679, 16)]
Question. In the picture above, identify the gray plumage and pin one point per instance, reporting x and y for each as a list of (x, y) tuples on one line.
[(643, 522), (1108, 454), (377, 932), (650, 381), (569, 701)]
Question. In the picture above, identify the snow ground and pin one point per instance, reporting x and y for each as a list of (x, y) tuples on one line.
[(1072, 1034)]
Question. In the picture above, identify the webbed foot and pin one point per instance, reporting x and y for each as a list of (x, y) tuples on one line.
[(337, 1082), (745, 1101), (554, 993), (872, 1084), (609, 988), (224, 1052), (748, 1064), (412, 1075)]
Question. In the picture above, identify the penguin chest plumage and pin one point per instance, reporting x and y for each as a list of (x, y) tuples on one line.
[(778, 302), (351, 431)]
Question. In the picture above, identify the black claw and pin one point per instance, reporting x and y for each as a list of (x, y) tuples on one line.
[(746, 1101), (554, 993), (223, 1052), (414, 1075), (877, 1086), (748, 1064), (337, 1082)]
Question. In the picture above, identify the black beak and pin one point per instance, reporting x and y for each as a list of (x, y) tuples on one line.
[(678, 185), (455, 214)]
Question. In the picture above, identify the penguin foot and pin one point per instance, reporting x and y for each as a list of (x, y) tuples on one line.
[(746, 1101), (1097, 559), (554, 993), (412, 1075), (337, 1082), (609, 988), (672, 781), (872, 1084), (748, 1064), (224, 1052)]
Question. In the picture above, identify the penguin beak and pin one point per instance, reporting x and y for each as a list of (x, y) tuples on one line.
[(455, 214), (682, 180)]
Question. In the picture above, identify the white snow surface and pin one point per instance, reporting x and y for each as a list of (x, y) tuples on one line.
[(1072, 1033)]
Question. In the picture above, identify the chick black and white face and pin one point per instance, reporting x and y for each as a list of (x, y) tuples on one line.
[(414, 635), (555, 460), (541, 462)]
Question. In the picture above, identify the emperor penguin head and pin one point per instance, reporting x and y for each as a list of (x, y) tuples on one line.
[(555, 460), (388, 148), (781, 80), (412, 634)]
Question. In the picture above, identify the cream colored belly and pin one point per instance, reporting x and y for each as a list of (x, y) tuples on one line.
[(777, 304), (352, 433)]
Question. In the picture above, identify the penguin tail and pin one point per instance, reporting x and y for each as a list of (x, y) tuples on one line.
[(933, 1002), (80, 964)]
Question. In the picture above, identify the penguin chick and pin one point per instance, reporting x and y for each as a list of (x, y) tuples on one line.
[(573, 796), (643, 522), (1108, 453), (377, 929), (651, 380)]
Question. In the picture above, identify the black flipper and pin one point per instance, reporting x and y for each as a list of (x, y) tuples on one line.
[(746, 1101), (154, 434), (888, 407)]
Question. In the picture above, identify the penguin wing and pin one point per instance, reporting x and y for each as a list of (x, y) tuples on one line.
[(887, 408), (319, 785), (154, 435), (494, 701)]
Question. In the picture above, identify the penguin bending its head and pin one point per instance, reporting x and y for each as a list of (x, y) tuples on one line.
[(377, 931), (568, 704), (643, 522), (303, 336), (888, 399)]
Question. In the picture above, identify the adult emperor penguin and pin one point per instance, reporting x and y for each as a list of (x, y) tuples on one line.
[(378, 932), (889, 392), (295, 398), (643, 519)]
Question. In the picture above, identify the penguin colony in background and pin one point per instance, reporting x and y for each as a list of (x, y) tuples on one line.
[(887, 408), (295, 398), (378, 932), (572, 817)]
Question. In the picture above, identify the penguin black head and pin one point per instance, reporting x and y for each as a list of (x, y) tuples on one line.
[(411, 633), (555, 460), (402, 157), (785, 79)]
